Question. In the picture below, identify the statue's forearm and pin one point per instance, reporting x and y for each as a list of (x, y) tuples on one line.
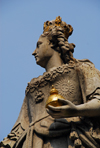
[(89, 109)]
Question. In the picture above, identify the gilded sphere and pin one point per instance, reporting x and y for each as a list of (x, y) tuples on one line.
[(53, 98)]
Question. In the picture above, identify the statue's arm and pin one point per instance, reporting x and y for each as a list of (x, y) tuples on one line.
[(92, 107), (89, 109)]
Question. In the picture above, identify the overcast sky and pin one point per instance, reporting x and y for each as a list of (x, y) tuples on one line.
[(21, 25)]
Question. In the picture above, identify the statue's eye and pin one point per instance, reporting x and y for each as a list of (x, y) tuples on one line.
[(38, 43)]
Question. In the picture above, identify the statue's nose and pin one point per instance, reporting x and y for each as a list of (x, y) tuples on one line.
[(34, 52)]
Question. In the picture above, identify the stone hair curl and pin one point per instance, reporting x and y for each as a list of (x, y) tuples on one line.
[(60, 43)]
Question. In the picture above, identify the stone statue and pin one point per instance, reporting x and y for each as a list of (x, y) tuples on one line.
[(74, 124)]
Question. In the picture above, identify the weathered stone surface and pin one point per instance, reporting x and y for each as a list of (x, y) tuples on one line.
[(75, 124)]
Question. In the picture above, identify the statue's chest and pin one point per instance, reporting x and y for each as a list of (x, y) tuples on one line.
[(68, 86)]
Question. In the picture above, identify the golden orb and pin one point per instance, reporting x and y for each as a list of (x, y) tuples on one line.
[(53, 98)]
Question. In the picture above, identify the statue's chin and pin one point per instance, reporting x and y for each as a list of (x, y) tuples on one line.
[(40, 63)]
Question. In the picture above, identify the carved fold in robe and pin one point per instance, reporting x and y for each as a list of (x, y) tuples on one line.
[(78, 82)]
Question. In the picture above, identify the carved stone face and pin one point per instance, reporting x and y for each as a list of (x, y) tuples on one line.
[(43, 51)]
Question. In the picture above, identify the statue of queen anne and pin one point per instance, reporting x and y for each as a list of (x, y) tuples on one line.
[(73, 124)]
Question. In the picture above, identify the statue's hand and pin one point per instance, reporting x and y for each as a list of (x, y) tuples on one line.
[(68, 109)]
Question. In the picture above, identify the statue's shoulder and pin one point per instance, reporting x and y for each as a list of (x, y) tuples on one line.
[(89, 75), (85, 64), (33, 84), (87, 68)]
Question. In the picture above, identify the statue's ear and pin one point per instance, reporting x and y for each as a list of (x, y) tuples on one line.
[(70, 29)]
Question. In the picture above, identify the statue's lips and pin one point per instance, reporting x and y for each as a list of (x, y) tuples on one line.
[(36, 56)]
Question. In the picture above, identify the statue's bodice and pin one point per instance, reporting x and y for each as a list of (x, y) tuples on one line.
[(68, 86), (65, 80)]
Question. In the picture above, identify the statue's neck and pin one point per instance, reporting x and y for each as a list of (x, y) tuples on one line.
[(54, 61)]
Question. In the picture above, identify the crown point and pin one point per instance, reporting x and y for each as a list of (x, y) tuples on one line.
[(59, 24)]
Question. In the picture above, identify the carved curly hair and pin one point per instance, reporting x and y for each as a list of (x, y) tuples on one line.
[(60, 43)]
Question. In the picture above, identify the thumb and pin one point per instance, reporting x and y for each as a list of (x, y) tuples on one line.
[(64, 102)]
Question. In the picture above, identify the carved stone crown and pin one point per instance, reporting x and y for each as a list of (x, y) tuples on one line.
[(66, 28)]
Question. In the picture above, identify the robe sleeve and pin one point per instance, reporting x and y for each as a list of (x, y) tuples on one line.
[(90, 77), (95, 95)]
